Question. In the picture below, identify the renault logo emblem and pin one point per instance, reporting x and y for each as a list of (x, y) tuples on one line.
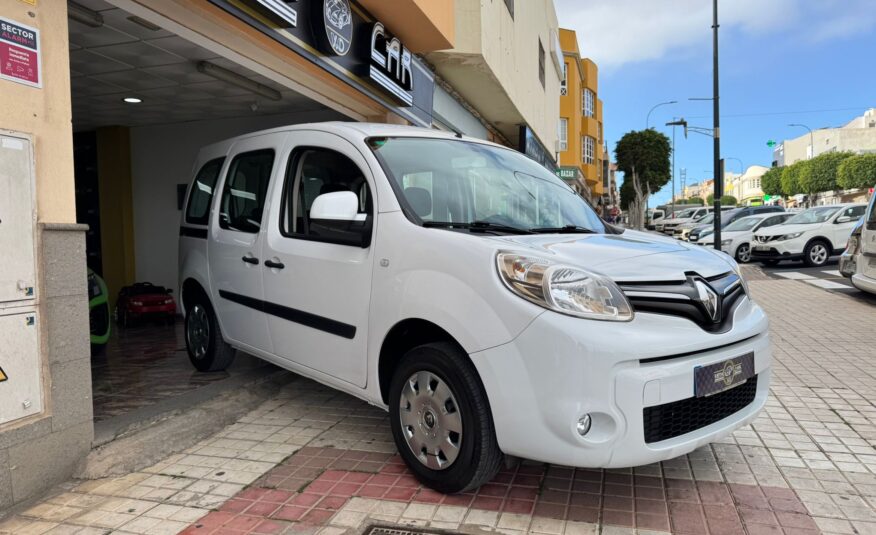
[(708, 297)]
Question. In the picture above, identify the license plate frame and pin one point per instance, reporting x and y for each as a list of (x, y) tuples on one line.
[(721, 376), (761, 247)]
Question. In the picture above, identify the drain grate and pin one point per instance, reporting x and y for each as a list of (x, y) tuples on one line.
[(380, 530)]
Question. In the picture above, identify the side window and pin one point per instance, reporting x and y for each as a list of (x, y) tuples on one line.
[(855, 212), (243, 197), (770, 221), (313, 172), (872, 218), (198, 210)]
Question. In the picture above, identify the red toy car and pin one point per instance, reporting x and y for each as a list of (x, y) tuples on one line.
[(144, 300)]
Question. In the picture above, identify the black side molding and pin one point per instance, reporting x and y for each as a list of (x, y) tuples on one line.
[(313, 321), (193, 232)]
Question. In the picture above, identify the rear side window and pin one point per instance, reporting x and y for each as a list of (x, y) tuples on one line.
[(246, 185), (198, 210)]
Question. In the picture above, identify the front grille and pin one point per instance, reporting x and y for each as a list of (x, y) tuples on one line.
[(98, 319), (682, 299), (687, 415)]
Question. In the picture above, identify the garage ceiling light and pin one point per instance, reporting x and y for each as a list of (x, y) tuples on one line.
[(84, 15), (132, 100), (243, 82)]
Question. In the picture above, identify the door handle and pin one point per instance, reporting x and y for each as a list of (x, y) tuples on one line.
[(251, 260), (274, 265)]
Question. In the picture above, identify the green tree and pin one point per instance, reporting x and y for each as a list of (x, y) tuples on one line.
[(726, 200), (791, 178), (859, 171), (771, 181), (819, 173), (646, 151)]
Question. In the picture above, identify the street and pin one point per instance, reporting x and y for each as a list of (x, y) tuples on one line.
[(827, 277), (312, 460)]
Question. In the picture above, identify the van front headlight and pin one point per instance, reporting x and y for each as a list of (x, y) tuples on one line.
[(565, 289)]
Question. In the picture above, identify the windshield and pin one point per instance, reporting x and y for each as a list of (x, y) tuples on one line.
[(746, 223), (685, 213), (706, 219), (813, 215), (460, 184)]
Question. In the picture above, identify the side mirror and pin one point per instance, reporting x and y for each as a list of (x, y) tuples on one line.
[(843, 219), (337, 206)]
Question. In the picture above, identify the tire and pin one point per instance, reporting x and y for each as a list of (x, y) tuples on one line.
[(743, 253), (769, 263), (816, 253), (208, 352), (477, 458)]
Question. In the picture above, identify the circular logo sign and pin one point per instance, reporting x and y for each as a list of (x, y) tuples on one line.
[(336, 34)]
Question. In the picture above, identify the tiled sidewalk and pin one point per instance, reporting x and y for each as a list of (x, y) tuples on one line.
[(806, 465)]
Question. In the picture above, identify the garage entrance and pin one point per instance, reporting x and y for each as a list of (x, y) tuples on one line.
[(144, 100)]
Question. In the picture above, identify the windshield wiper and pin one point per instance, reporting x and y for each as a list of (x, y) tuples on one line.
[(477, 226), (568, 229)]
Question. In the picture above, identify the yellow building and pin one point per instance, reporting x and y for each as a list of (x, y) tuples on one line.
[(581, 149)]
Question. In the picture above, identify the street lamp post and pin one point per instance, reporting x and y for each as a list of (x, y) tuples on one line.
[(648, 117), (673, 124), (719, 178), (811, 139)]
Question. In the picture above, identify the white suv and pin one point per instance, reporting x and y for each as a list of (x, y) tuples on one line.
[(736, 237), (471, 293), (858, 262), (813, 235)]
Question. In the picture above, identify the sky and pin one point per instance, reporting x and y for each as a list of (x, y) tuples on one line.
[(781, 62)]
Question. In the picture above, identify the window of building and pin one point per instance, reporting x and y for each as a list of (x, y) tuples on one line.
[(510, 5), (564, 134), (564, 85), (198, 211), (589, 150), (541, 62), (314, 172), (246, 184), (589, 99)]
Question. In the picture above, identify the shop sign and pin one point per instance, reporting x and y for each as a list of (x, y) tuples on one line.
[(529, 145), (391, 64), (19, 53), (569, 173), (344, 40)]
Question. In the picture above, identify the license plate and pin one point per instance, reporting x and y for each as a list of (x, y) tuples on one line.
[(723, 376), (761, 248)]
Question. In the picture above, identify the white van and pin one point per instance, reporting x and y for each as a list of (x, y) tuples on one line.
[(469, 291)]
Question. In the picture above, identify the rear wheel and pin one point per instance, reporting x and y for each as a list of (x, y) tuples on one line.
[(208, 352), (441, 419), (816, 254), (743, 253)]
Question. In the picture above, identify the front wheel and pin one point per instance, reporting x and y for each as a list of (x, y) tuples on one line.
[(441, 419), (816, 254), (743, 253), (208, 352)]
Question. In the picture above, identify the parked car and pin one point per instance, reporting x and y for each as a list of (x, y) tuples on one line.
[(682, 231), (145, 301), (729, 217), (736, 237), (98, 313), (813, 235), (858, 262), (470, 292), (653, 216)]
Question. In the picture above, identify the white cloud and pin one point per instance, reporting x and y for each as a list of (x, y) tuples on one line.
[(616, 32)]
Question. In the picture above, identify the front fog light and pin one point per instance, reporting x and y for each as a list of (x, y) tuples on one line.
[(583, 425)]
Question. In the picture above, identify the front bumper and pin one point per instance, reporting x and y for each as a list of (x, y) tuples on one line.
[(782, 250), (561, 368)]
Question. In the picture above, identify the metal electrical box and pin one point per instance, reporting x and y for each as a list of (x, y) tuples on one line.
[(17, 219), (20, 384)]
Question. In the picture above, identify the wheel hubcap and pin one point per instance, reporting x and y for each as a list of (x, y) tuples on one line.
[(430, 420), (818, 254), (744, 254), (198, 331)]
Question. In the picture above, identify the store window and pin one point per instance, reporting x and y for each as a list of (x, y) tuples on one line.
[(564, 134), (541, 62), (198, 210), (589, 98), (246, 184), (589, 150)]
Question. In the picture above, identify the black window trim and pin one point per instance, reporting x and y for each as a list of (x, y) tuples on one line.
[(225, 184), (293, 162), (206, 223)]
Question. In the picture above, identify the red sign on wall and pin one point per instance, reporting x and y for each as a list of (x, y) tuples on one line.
[(19, 53)]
